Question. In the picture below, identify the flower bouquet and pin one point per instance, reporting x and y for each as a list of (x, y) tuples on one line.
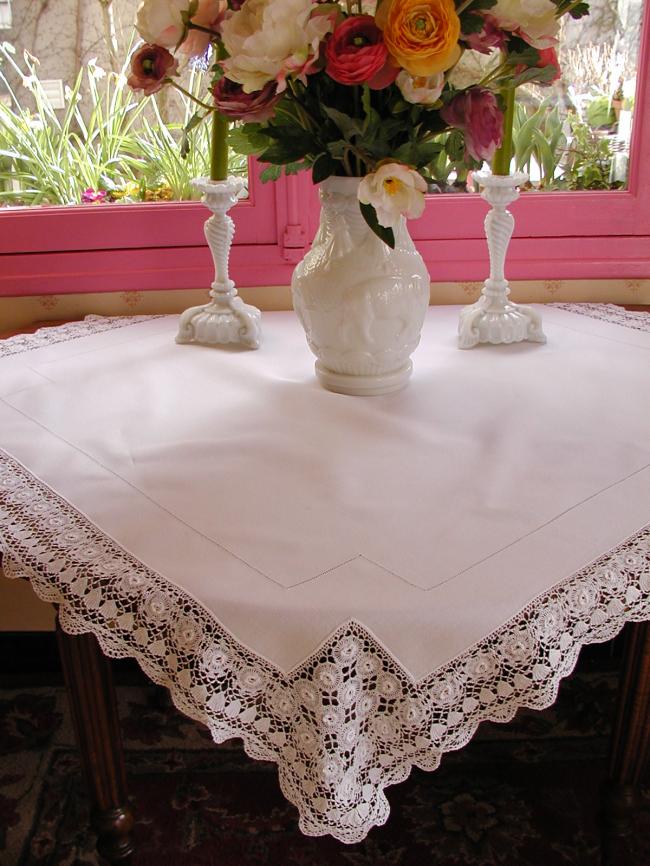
[(357, 89)]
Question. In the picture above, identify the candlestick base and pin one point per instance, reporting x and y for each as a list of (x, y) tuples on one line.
[(226, 319), (494, 318), (508, 323)]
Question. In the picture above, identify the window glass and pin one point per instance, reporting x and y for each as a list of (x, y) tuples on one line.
[(575, 133), (71, 130)]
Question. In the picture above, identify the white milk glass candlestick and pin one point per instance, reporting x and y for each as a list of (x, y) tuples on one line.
[(226, 319), (494, 318)]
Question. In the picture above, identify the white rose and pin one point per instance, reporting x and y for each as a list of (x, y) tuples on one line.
[(393, 190), (534, 20), (421, 89), (268, 41), (160, 22)]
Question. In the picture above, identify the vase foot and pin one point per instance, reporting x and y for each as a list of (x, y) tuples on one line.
[(363, 386), (513, 323)]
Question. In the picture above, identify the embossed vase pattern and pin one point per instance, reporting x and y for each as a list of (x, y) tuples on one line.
[(362, 304)]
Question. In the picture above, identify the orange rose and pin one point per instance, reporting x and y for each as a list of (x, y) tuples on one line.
[(421, 35)]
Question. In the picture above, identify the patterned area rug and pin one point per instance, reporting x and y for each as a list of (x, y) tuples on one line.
[(526, 794)]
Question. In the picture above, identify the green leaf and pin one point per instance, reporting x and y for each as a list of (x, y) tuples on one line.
[(249, 139), (348, 125), (271, 172), (529, 56), (324, 167), (544, 154), (291, 150), (418, 153), (539, 76), (400, 106), (295, 167), (580, 10), (194, 121), (370, 216), (455, 145), (337, 148), (372, 124), (471, 23)]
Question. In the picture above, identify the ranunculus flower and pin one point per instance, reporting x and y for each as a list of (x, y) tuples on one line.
[(477, 114), (231, 101), (355, 54), (160, 22), (547, 57), (421, 89), (269, 41), (491, 36), (150, 66), (421, 35), (393, 190), (534, 20), (209, 14)]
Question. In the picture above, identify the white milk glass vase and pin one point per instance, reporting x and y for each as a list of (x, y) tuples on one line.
[(361, 303)]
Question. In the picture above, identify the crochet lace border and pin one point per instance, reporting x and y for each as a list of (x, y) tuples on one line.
[(349, 721)]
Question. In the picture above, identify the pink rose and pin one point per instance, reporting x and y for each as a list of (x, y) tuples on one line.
[(210, 14), (491, 36), (547, 57), (355, 54), (231, 101), (477, 114), (150, 66)]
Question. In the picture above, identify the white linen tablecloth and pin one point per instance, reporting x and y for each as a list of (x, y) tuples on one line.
[(349, 584)]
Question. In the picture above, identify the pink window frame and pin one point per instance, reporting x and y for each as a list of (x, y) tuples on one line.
[(586, 235)]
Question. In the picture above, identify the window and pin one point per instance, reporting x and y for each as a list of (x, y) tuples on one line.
[(571, 235), (5, 14)]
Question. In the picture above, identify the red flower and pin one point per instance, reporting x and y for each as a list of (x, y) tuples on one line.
[(476, 113), (150, 66), (355, 54), (231, 101)]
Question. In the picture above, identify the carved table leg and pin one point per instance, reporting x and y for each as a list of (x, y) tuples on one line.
[(94, 713), (630, 748)]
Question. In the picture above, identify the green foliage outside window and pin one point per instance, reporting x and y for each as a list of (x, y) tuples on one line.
[(103, 146)]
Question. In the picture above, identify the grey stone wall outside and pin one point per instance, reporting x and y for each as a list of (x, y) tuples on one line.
[(65, 34)]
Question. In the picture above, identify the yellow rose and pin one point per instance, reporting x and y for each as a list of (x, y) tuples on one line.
[(421, 35)]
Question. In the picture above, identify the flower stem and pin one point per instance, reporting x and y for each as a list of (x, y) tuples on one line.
[(192, 26), (463, 6), (503, 155), (309, 122), (189, 95), (491, 74), (360, 158)]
